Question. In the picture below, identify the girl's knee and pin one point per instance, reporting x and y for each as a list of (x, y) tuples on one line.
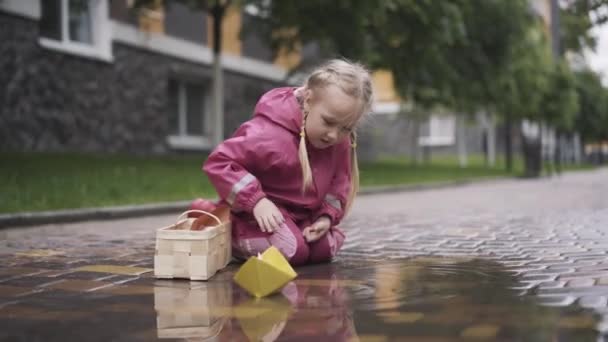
[(301, 256), (290, 242), (244, 248), (326, 248), (338, 237), (320, 253), (296, 253)]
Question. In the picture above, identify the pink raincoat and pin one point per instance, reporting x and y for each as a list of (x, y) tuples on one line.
[(261, 160)]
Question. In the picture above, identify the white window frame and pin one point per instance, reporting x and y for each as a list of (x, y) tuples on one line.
[(183, 140), (101, 30), (27, 9), (437, 135)]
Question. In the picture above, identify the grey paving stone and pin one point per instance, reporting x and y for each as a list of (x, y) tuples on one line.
[(593, 302), (557, 300), (552, 284), (583, 282)]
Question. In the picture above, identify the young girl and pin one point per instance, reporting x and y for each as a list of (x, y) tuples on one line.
[(290, 173)]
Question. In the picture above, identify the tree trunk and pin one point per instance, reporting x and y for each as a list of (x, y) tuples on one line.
[(532, 158), (509, 143), (559, 152), (491, 140), (416, 148), (218, 12), (532, 151), (426, 151), (578, 149), (461, 142)]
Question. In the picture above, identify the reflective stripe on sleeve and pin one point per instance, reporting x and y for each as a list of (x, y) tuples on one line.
[(333, 201), (238, 186)]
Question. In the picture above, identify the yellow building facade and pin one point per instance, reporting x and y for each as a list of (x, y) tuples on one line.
[(152, 20)]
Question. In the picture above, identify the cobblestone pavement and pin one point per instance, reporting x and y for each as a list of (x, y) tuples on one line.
[(552, 233), (542, 240)]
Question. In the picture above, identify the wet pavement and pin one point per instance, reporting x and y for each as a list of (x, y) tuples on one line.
[(505, 261)]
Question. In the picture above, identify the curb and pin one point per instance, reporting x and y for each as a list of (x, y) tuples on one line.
[(116, 212), (385, 189), (87, 214)]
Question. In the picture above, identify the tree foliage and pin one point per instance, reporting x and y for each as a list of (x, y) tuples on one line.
[(577, 18), (592, 118)]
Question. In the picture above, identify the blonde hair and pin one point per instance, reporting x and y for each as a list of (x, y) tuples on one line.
[(354, 80)]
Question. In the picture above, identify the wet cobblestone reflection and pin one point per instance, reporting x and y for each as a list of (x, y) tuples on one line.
[(417, 299), (511, 261)]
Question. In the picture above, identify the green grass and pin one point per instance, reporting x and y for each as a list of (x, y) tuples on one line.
[(33, 182), (36, 181), (393, 171)]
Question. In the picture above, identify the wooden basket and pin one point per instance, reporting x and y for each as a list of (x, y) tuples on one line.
[(189, 254)]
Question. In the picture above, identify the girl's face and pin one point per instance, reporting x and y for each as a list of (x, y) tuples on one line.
[(332, 116)]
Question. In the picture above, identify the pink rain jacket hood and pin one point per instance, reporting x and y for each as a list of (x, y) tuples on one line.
[(261, 160)]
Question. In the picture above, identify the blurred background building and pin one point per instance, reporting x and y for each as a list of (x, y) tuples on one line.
[(97, 75)]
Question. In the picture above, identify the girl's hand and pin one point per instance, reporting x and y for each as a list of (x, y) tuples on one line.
[(267, 215), (315, 231)]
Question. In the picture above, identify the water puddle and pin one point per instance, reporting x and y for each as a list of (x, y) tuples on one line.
[(422, 299)]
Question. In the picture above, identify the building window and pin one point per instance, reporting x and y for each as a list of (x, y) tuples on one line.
[(189, 123), (79, 27), (184, 22), (441, 131)]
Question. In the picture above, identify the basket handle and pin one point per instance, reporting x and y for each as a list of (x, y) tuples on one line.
[(219, 222)]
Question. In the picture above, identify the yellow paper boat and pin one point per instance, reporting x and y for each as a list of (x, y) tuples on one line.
[(265, 274), (263, 319)]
